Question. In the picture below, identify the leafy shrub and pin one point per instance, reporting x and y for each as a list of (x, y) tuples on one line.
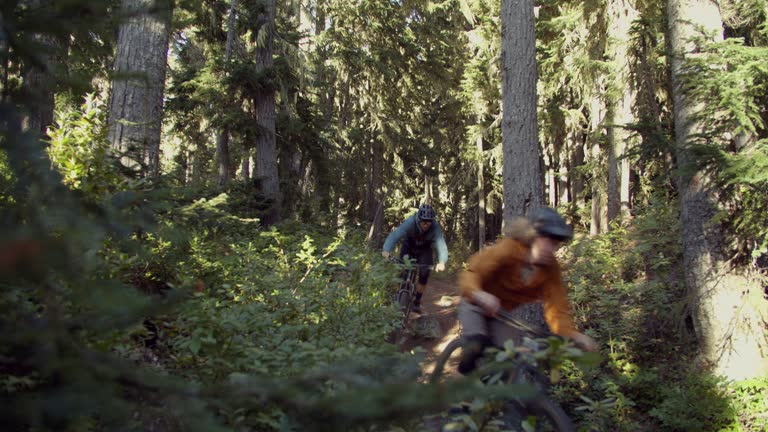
[(750, 405), (276, 304), (626, 293), (79, 148), (700, 402)]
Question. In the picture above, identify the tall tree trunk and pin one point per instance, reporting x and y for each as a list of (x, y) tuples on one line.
[(245, 166), (564, 173), (522, 174), (303, 13), (374, 233), (377, 182), (266, 143), (729, 331), (223, 158), (550, 179), (576, 179), (39, 79), (428, 198), (370, 204), (599, 210), (480, 193), (136, 101), (621, 16), (5, 56)]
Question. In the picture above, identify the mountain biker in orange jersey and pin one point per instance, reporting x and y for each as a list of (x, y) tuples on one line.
[(518, 269), (419, 233)]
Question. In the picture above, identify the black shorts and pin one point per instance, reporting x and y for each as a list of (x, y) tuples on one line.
[(423, 257)]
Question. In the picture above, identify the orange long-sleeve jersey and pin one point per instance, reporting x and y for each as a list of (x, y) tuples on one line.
[(498, 269)]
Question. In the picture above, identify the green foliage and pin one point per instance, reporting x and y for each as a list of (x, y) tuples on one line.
[(79, 148), (179, 306), (6, 179), (697, 403), (280, 302), (56, 361), (285, 330), (731, 81), (627, 292), (749, 405)]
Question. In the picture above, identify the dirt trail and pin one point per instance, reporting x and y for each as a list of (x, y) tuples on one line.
[(437, 326), (433, 330)]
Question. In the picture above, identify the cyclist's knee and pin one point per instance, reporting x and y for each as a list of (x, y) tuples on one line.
[(472, 352), (423, 279)]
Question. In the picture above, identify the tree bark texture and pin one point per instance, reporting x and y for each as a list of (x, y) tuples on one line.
[(522, 175), (599, 212), (245, 166), (728, 328), (222, 140), (522, 172), (622, 14), (576, 178), (377, 203), (223, 160), (480, 194), (266, 143), (39, 79), (136, 101)]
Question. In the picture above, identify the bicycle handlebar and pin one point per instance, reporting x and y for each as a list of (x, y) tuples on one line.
[(507, 318), (412, 264)]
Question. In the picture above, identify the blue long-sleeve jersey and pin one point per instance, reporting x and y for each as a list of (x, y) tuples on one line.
[(414, 239)]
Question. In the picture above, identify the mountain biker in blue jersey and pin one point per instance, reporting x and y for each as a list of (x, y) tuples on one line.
[(419, 233)]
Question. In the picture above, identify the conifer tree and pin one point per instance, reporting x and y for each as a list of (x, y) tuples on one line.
[(136, 100), (719, 293)]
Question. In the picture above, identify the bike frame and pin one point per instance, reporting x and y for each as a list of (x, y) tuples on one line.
[(519, 371), (407, 288)]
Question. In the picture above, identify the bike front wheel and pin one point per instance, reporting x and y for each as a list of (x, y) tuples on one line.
[(403, 298), (539, 414)]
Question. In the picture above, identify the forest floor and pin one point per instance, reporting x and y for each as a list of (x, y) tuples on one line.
[(432, 331), (437, 325)]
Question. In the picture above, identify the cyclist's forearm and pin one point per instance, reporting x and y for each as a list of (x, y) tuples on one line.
[(557, 314), (442, 248)]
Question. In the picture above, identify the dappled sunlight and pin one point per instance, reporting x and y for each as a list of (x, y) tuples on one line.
[(429, 362), (440, 302), (737, 314)]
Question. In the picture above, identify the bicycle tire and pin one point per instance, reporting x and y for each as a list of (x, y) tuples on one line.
[(444, 356), (410, 290), (402, 298), (548, 416)]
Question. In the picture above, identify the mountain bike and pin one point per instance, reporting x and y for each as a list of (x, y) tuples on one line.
[(406, 291), (539, 413)]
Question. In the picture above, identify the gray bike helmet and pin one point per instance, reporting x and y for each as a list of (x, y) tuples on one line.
[(547, 222), (426, 213)]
